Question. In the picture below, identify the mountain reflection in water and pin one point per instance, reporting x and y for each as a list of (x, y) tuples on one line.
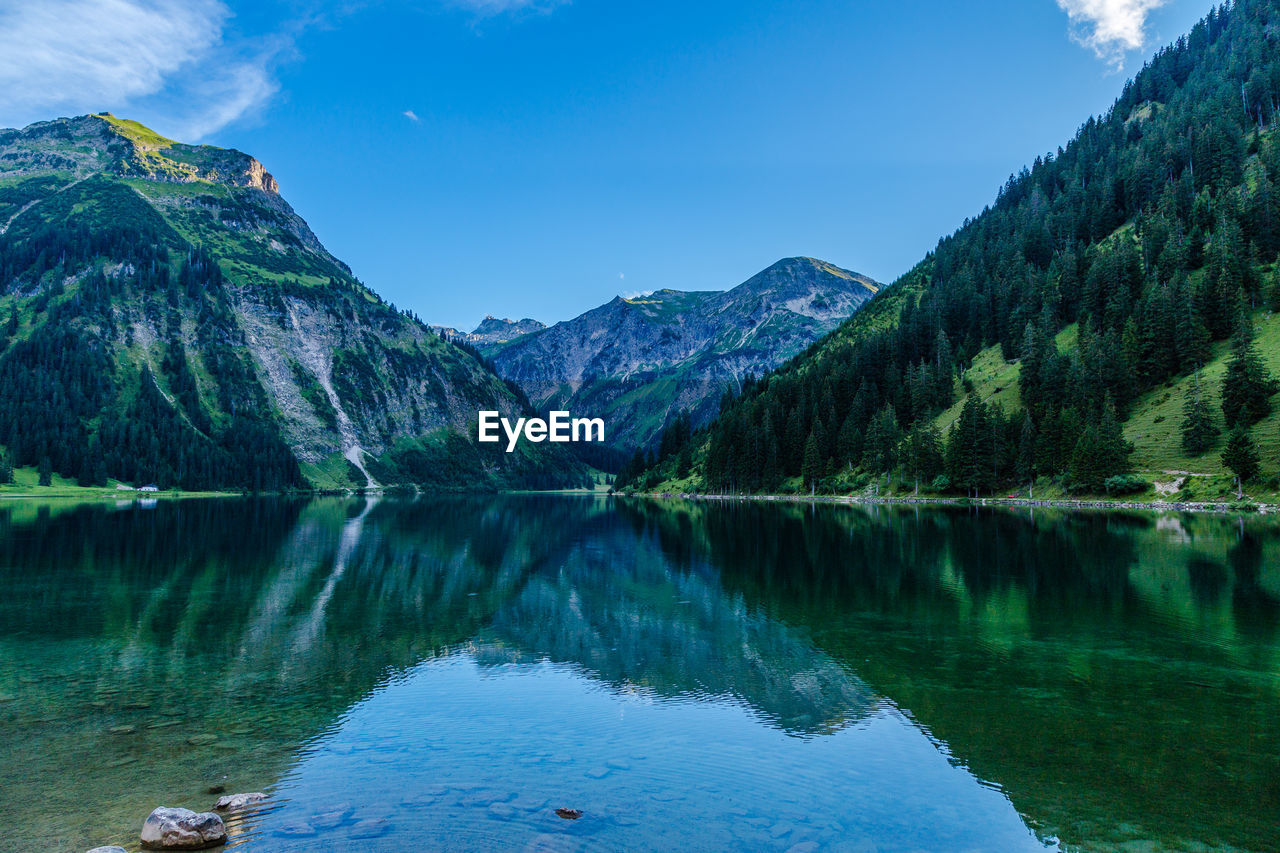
[(444, 672)]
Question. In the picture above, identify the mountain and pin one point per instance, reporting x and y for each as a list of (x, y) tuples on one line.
[(638, 362), (1101, 328), (493, 330), (169, 318)]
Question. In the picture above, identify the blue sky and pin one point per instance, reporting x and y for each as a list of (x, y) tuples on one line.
[(536, 158)]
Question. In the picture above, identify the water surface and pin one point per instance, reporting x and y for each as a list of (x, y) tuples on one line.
[(444, 673)]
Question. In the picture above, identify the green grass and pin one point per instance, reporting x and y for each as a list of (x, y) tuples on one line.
[(160, 191), (332, 472), (137, 132), (995, 381), (1154, 426), (26, 484)]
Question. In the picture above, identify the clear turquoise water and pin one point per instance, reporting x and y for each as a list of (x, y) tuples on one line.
[(445, 673)]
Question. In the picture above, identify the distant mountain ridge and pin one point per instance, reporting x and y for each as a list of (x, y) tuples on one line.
[(638, 362), (493, 330), (169, 318)]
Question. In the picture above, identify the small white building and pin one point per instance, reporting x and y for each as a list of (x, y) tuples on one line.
[(149, 489)]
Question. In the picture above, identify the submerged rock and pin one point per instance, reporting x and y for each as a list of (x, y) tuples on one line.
[(182, 829), (502, 811), (569, 814), (231, 802), (296, 829), (110, 849), (331, 819), (373, 828), (803, 847)]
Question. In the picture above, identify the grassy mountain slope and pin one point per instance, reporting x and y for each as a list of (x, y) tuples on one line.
[(639, 362), (169, 318), (1068, 318)]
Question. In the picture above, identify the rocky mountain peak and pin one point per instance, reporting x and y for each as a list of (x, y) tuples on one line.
[(499, 329), (104, 143), (638, 360)]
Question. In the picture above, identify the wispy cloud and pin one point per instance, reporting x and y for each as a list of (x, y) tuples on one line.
[(1110, 28), (411, 116), (180, 65), (60, 52), (62, 56), (490, 8)]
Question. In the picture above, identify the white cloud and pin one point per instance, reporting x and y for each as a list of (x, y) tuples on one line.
[(234, 91), (1110, 28), (177, 65), (411, 116), (165, 57), (62, 52)]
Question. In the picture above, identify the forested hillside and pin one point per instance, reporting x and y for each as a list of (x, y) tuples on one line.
[(167, 318), (1117, 298)]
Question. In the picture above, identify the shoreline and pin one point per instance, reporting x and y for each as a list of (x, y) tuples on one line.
[(121, 496), (1245, 507)]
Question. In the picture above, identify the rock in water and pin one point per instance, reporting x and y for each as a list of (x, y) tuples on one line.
[(569, 814), (232, 802), (182, 829), (110, 849)]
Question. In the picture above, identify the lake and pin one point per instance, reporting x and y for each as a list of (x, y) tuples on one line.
[(444, 673)]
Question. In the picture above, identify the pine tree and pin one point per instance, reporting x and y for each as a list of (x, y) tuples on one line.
[(1027, 455), (969, 448), (812, 468), (1199, 432), (1115, 450), (1101, 452), (922, 453), (6, 470), (881, 445), (1085, 472), (46, 471), (1248, 385), (684, 462), (1241, 457)]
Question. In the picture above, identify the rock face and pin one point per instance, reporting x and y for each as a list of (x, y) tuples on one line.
[(638, 362), (233, 802), (182, 829), (187, 280)]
